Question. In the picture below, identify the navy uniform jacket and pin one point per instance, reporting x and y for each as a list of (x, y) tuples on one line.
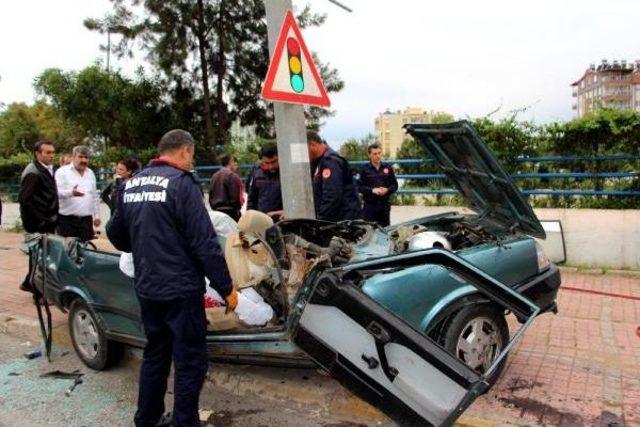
[(370, 178), (263, 189), (160, 216), (334, 190)]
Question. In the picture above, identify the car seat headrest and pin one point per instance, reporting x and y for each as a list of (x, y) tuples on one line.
[(255, 222)]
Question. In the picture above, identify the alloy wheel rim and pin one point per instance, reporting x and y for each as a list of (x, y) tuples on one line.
[(85, 334), (479, 343)]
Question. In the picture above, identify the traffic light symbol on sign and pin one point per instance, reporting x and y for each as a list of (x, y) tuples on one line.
[(292, 76), (295, 65)]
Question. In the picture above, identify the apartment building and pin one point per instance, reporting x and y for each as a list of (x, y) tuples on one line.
[(388, 127), (609, 85)]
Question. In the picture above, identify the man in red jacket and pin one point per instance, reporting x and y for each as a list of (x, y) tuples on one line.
[(226, 190)]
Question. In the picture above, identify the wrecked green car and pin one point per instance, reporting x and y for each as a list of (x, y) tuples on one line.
[(414, 321)]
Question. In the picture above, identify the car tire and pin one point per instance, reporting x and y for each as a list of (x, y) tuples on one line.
[(476, 334), (89, 340)]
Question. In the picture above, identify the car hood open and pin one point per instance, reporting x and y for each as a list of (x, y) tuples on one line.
[(472, 167)]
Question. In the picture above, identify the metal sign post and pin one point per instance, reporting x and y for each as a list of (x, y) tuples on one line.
[(291, 134)]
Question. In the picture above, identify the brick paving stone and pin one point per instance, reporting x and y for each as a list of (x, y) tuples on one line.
[(578, 368)]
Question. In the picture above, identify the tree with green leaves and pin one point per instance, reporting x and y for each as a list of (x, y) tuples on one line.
[(442, 118), (508, 139), (108, 106), (18, 129), (212, 51), (21, 125), (602, 132), (357, 149)]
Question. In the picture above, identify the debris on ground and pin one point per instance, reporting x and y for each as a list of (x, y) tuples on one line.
[(204, 415), (33, 354), (73, 386), (76, 376)]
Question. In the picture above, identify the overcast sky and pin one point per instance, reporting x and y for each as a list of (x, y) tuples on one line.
[(465, 57)]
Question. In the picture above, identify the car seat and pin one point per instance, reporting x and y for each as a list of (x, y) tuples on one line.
[(248, 261)]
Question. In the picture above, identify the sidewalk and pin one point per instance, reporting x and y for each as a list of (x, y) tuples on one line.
[(14, 303), (577, 368)]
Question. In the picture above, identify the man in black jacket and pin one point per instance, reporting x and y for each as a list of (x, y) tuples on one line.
[(377, 183), (335, 193), (38, 197), (263, 184), (161, 218), (38, 193)]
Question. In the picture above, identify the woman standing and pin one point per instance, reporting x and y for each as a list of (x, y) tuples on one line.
[(124, 170)]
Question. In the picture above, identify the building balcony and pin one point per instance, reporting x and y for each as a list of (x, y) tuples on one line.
[(617, 82), (574, 107), (616, 96)]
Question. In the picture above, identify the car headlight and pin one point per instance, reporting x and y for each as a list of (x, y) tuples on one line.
[(543, 260)]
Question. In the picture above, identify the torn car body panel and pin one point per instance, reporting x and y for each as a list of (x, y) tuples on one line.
[(372, 351)]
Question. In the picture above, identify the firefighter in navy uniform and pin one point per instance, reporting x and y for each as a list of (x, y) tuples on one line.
[(334, 189), (263, 184), (161, 218), (377, 182)]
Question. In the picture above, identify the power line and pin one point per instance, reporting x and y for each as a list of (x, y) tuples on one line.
[(337, 3)]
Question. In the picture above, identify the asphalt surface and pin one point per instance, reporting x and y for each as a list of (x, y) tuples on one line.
[(108, 398)]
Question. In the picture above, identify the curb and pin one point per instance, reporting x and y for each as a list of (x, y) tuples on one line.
[(599, 271), (625, 273), (303, 387), (20, 327)]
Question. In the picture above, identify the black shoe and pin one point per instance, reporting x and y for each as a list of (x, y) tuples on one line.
[(26, 286), (165, 420)]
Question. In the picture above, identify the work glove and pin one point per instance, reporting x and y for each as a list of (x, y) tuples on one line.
[(232, 300)]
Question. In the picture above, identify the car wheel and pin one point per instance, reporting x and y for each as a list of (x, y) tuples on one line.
[(477, 334), (89, 340)]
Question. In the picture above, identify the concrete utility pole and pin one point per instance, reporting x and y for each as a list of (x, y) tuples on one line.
[(291, 134)]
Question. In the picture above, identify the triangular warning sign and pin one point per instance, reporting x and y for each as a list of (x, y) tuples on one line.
[(292, 75)]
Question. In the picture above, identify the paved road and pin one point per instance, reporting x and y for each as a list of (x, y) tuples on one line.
[(108, 398)]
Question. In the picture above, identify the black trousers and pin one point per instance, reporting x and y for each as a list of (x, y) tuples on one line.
[(174, 329), (48, 228), (76, 226), (377, 212)]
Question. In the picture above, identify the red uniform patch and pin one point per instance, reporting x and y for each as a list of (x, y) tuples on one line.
[(326, 173), (385, 170)]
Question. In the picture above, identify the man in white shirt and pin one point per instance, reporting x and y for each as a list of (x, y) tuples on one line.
[(79, 209)]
